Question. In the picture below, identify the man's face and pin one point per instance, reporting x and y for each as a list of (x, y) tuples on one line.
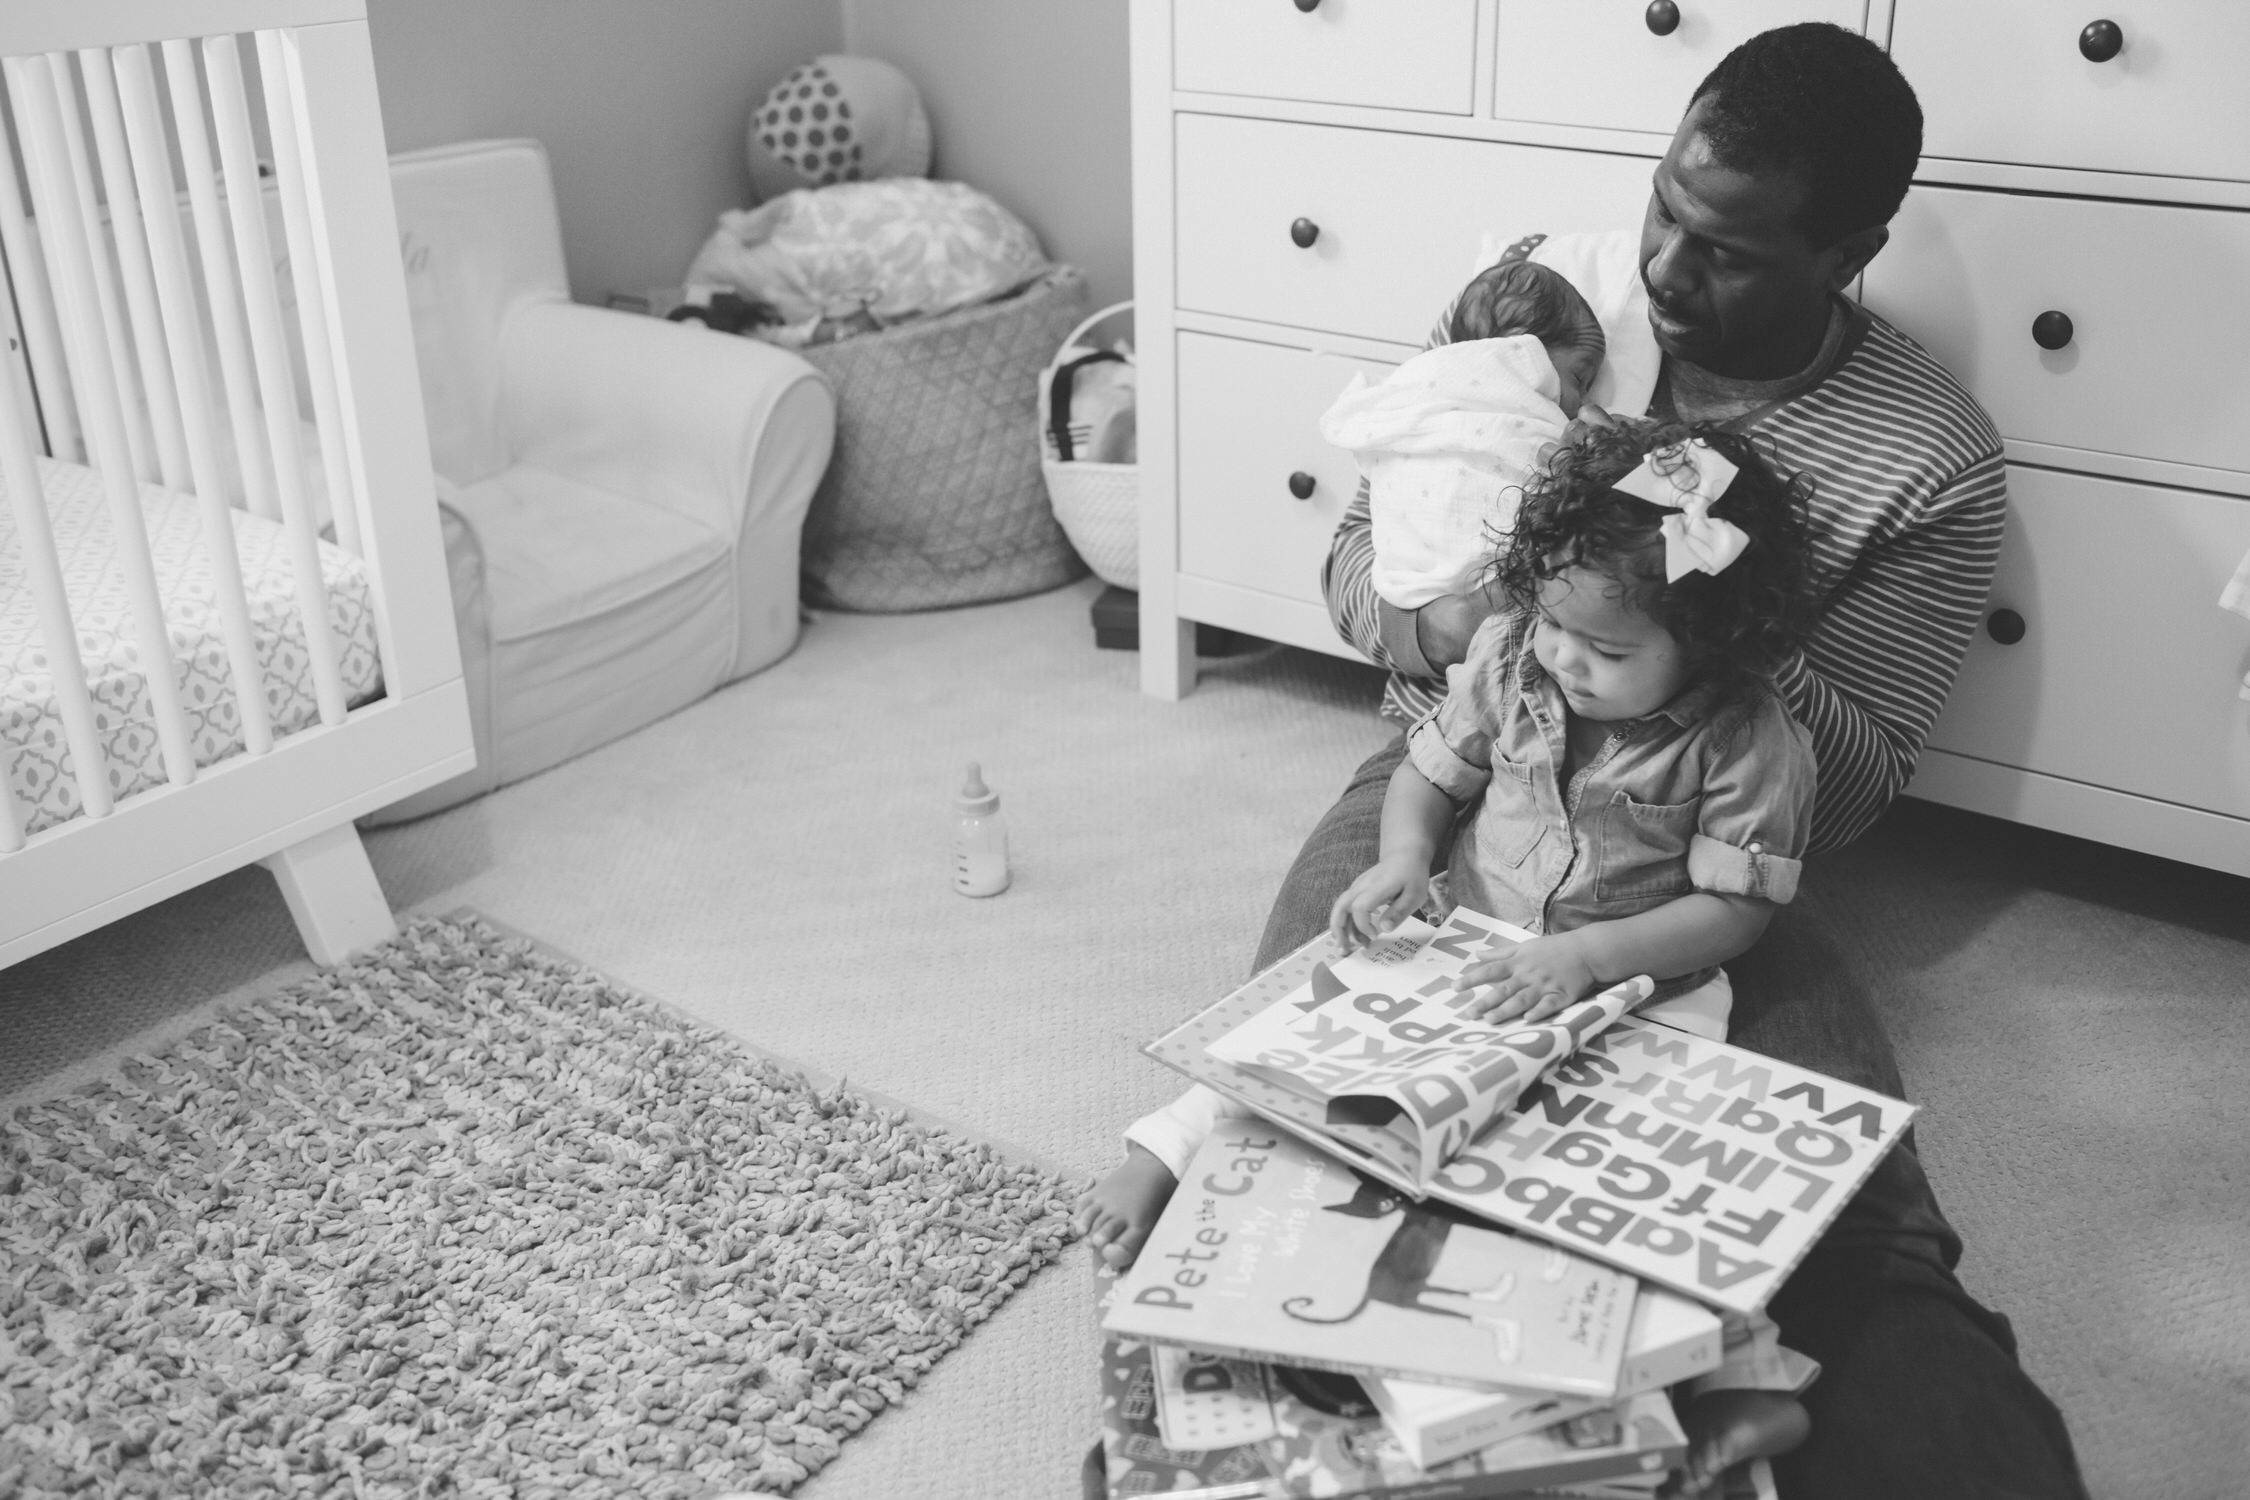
[(1732, 285)]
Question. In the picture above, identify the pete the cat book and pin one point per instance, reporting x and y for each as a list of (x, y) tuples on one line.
[(1274, 1251)]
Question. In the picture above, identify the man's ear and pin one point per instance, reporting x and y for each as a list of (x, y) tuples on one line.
[(1849, 256)]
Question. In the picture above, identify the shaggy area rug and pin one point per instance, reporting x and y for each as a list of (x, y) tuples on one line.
[(463, 1218)]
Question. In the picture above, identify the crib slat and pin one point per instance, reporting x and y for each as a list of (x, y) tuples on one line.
[(32, 83), (123, 200), (277, 72), (122, 383), (219, 286), (19, 463), (270, 353), (152, 164), (35, 306)]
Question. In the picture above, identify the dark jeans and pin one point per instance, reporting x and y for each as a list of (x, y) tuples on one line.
[(1920, 1393)]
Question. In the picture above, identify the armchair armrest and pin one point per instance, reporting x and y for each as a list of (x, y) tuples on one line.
[(701, 423)]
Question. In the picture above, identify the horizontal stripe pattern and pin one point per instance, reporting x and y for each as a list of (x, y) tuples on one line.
[(1908, 507)]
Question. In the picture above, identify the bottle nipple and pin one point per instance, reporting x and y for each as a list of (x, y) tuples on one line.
[(975, 796)]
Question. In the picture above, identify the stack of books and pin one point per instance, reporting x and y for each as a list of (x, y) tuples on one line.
[(1444, 1258)]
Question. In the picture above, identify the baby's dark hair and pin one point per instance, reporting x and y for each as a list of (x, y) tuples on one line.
[(1520, 296), (1737, 626)]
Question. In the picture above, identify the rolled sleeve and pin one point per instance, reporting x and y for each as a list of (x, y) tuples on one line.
[(1757, 806), (1459, 778), (1726, 870), (1452, 743)]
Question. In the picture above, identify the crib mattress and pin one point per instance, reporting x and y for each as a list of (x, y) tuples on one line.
[(32, 744)]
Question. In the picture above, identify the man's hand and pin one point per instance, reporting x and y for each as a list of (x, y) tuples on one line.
[(1386, 894), (1529, 982), (1443, 626)]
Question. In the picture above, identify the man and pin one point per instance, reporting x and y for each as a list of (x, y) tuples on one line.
[(1793, 156)]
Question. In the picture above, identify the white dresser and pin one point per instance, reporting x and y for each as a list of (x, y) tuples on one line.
[(1313, 178)]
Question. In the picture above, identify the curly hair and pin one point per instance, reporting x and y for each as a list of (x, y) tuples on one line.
[(1823, 102), (1735, 627)]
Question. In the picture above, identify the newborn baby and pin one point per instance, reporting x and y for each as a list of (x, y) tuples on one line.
[(1447, 439)]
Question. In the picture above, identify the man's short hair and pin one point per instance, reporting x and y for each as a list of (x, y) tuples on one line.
[(1826, 105)]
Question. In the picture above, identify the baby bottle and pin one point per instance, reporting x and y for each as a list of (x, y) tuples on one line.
[(980, 838)]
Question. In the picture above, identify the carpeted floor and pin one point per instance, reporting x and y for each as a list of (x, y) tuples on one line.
[(2074, 1019), (463, 1218)]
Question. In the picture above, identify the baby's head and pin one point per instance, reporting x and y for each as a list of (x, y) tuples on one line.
[(1519, 297), (1590, 561)]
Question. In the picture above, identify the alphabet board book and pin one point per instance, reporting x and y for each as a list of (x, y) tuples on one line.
[(1373, 1037), (1706, 1168), (1274, 1251)]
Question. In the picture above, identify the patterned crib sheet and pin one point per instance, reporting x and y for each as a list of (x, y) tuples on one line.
[(32, 745)]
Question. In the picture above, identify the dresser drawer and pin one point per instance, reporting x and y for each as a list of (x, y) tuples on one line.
[(2127, 671), (1396, 219), (2005, 80), (2158, 301), (1391, 54), (1249, 416), (1549, 54)]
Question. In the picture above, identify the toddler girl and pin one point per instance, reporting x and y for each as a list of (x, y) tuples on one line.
[(1611, 770)]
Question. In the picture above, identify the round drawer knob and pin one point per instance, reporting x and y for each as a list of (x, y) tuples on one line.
[(2101, 41), (1308, 6), (1301, 485), (2052, 330), (1303, 232), (2004, 626), (1662, 16)]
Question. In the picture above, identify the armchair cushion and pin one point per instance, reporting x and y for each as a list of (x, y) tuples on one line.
[(623, 496)]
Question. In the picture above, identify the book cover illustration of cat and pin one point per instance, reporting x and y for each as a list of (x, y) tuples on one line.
[(1275, 1251)]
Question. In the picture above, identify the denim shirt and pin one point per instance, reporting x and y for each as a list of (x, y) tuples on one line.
[(1702, 795)]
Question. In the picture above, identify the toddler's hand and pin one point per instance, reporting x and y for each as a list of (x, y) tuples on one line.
[(1385, 895), (1529, 982)]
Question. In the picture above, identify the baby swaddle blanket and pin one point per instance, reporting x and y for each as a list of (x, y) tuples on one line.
[(1448, 438), (1446, 441)]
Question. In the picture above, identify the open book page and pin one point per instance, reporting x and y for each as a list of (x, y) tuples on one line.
[(1704, 1167), (1377, 1038)]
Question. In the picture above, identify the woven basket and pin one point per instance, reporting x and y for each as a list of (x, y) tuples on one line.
[(1099, 505), (934, 495)]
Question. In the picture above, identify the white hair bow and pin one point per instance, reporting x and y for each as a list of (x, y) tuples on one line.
[(1687, 478)]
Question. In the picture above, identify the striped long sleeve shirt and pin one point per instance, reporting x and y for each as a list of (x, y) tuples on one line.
[(1906, 516)]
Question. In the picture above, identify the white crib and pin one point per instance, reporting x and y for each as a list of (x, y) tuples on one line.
[(210, 365)]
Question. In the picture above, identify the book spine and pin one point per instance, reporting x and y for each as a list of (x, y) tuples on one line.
[(1444, 1440), (1302, 1361), (1517, 1481)]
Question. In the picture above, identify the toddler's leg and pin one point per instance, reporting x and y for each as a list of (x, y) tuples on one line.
[(1730, 1427), (1116, 1214)]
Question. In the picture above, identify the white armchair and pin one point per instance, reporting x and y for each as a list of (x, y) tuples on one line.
[(622, 496)]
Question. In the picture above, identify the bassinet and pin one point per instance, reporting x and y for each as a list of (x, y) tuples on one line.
[(214, 460)]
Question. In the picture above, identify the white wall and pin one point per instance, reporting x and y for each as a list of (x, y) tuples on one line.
[(1028, 101), (641, 105)]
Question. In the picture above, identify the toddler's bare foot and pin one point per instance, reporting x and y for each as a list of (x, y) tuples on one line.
[(1725, 1428), (1116, 1214)]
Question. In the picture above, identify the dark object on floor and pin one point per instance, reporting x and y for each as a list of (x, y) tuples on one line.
[(1117, 627), (727, 312), (935, 494)]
